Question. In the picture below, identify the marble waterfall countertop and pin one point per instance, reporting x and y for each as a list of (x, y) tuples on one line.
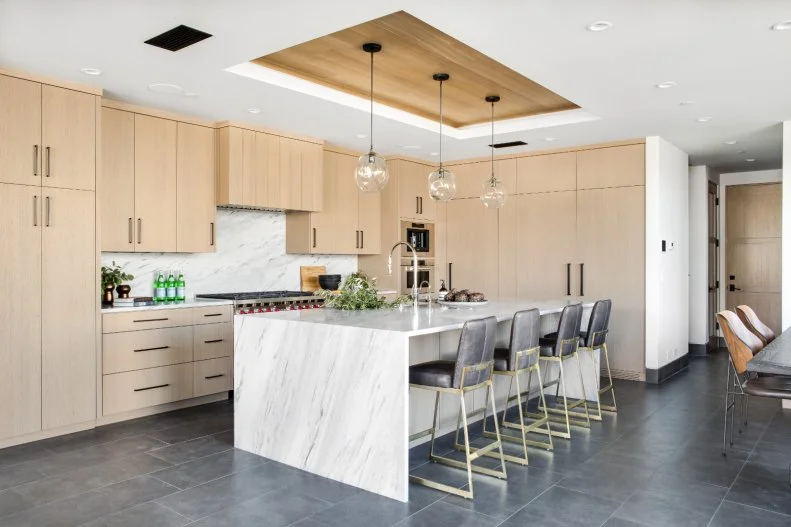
[(425, 321), (193, 302)]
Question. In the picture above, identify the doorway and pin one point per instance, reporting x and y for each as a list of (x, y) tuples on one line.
[(753, 252)]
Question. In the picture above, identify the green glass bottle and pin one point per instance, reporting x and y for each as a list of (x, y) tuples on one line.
[(159, 287), (181, 288), (170, 293)]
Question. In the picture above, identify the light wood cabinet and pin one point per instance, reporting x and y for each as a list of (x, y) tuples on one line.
[(117, 196), (312, 176), (20, 131), (68, 134), (472, 247), (369, 211), (267, 159), (20, 288), (145, 319), (133, 390), (68, 307), (546, 173), (212, 341), (155, 184), (620, 166), (412, 180), (195, 182), (212, 376), (149, 348), (237, 167)]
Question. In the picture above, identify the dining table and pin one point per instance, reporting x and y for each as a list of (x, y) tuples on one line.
[(774, 359)]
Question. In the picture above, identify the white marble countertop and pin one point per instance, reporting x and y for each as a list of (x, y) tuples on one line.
[(423, 321), (175, 305)]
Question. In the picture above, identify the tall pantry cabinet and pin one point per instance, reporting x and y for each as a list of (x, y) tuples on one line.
[(48, 267)]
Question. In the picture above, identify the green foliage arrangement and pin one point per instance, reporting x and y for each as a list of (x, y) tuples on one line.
[(358, 292), (114, 276)]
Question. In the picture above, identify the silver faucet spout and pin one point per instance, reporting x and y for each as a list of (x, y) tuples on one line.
[(415, 288)]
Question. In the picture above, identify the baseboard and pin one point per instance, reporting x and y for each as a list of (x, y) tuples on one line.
[(667, 371), (698, 350), (161, 408), (46, 434)]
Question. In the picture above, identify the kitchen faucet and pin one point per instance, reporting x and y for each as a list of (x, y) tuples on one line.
[(428, 284), (414, 269)]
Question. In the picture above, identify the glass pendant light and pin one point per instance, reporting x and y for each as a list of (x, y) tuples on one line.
[(441, 182), (494, 195), (371, 172)]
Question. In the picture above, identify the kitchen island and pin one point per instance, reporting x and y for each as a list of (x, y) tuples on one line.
[(327, 391)]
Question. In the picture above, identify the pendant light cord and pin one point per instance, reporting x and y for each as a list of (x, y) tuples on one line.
[(492, 147), (440, 126), (372, 104)]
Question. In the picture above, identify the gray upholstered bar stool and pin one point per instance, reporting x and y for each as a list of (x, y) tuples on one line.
[(558, 351), (472, 370), (595, 338), (519, 358)]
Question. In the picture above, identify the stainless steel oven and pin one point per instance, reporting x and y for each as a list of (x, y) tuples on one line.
[(420, 236), (425, 273)]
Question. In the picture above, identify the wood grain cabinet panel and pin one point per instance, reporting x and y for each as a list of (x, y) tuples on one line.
[(311, 176), (472, 247), (212, 314), (413, 200), (20, 131), (618, 166), (117, 197), (68, 309), (155, 184), (369, 222), (146, 319), (143, 388), (546, 173), (68, 135), (347, 204), (138, 350), (212, 376), (212, 341), (20, 319), (195, 182)]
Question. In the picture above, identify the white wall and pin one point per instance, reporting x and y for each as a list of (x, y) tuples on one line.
[(741, 178), (251, 256), (667, 273), (698, 254), (786, 251)]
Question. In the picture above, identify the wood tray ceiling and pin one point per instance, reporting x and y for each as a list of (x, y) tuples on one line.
[(412, 51)]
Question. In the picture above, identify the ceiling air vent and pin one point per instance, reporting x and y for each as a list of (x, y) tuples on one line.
[(178, 38), (508, 144)]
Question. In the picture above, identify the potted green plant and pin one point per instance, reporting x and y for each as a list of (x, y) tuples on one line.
[(113, 276), (358, 292)]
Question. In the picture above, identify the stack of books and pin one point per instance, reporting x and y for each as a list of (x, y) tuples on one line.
[(133, 301)]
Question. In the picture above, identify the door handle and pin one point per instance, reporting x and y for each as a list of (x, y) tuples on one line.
[(356, 239), (212, 341), (314, 237), (139, 230), (568, 279), (421, 205), (131, 231), (417, 205), (47, 223), (214, 376), (151, 349), (362, 239), (152, 387), (450, 276), (35, 160), (734, 288), (35, 211), (582, 279), (211, 234), (48, 161)]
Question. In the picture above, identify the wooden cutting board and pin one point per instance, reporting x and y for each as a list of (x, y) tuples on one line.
[(309, 277)]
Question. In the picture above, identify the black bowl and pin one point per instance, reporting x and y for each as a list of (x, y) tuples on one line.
[(330, 282)]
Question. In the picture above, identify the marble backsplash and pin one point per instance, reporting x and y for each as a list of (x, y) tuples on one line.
[(251, 256)]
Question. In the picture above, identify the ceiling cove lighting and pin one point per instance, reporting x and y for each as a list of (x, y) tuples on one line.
[(602, 25), (494, 195), (371, 172), (782, 26), (441, 182)]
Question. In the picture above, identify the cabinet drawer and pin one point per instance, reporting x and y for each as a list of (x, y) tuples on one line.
[(213, 376), (155, 319), (212, 341), (211, 314), (139, 389), (149, 348)]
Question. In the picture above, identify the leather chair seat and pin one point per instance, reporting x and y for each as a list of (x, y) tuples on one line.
[(554, 336), (777, 387), (437, 373), (547, 351), (501, 359)]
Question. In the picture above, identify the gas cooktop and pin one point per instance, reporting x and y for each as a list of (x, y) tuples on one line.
[(256, 295)]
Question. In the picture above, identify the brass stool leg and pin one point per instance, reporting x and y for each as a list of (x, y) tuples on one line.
[(611, 387), (584, 394), (466, 443), (497, 429), (544, 404), (434, 426), (597, 416)]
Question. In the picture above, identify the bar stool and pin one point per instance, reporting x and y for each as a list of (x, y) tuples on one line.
[(471, 371), (519, 358), (595, 338), (754, 324), (559, 350)]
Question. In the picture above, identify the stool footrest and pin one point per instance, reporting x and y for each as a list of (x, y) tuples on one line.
[(418, 435), (605, 389), (458, 464), (513, 439), (466, 494)]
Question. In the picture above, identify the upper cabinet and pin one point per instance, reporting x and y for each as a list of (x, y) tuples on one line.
[(414, 202), (47, 135), (617, 166), (264, 170), (157, 183), (546, 173)]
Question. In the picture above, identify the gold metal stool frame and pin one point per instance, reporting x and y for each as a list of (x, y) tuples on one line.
[(471, 454), (610, 387)]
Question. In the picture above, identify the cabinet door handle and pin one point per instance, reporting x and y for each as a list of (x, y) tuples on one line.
[(152, 349), (214, 376), (151, 320), (213, 315), (47, 224), (582, 279), (35, 160), (152, 387), (568, 279), (48, 161), (362, 239), (35, 211), (356, 239), (139, 230), (211, 234), (421, 205), (450, 276), (212, 341), (314, 237), (417, 205), (131, 231)]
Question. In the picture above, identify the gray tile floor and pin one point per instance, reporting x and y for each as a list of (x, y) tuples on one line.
[(657, 463)]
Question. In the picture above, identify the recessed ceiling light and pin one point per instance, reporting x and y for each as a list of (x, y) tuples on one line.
[(91, 71), (168, 89), (782, 26), (666, 84), (362, 136), (730, 142), (411, 147), (686, 103), (434, 154), (602, 25), (190, 94), (742, 152), (749, 159), (549, 139), (254, 110), (703, 119)]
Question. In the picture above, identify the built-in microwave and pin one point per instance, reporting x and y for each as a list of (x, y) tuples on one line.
[(425, 273), (418, 235)]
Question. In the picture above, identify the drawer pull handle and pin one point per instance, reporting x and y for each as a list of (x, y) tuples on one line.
[(151, 320), (152, 387), (215, 376), (212, 341), (213, 315), (153, 349)]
